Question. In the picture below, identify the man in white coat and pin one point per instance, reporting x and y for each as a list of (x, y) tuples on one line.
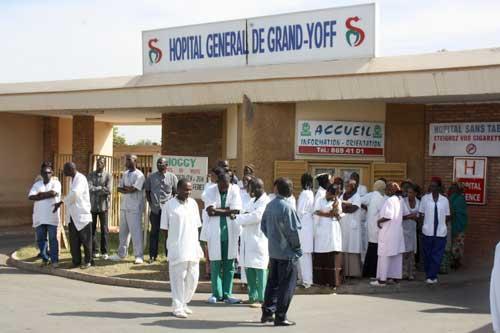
[(305, 211), (223, 202), (495, 291), (391, 243), (180, 221), (254, 253), (77, 203)]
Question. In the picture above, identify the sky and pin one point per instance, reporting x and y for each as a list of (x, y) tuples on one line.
[(73, 39)]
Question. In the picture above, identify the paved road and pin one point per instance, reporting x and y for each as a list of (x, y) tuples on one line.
[(43, 303)]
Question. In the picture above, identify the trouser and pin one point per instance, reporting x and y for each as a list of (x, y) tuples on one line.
[(256, 279), (408, 264), (305, 268), (221, 274), (243, 275), (433, 250), (371, 258), (76, 240), (280, 288), (130, 227), (41, 238), (183, 282), (389, 267), (154, 235), (103, 221)]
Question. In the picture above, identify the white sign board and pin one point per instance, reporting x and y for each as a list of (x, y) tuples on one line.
[(336, 33), (220, 44), (340, 138), (464, 139), (192, 168), (327, 34), (471, 172)]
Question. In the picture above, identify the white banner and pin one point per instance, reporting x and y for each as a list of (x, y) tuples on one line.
[(192, 168), (340, 138), (327, 34), (464, 139)]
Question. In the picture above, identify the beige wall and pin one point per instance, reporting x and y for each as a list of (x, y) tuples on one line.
[(340, 110), (65, 136), (103, 138), (21, 143), (231, 127)]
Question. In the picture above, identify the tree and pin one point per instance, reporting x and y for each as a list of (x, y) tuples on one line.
[(118, 139), (146, 142)]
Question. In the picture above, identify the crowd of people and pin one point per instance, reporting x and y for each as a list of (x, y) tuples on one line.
[(340, 232)]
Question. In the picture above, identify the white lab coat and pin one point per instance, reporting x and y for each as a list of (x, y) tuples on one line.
[(305, 211), (351, 227), (328, 234), (254, 252), (372, 214), (495, 291), (77, 202), (390, 237), (210, 231)]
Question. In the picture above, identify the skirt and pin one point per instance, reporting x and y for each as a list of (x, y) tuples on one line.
[(327, 269), (352, 264)]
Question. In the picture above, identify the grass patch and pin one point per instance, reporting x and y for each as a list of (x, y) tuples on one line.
[(126, 268)]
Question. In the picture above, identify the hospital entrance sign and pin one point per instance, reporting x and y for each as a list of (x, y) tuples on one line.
[(319, 35)]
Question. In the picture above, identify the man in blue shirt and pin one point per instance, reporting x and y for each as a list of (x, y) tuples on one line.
[(280, 224)]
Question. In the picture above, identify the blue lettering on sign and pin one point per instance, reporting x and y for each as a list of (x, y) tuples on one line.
[(279, 38)]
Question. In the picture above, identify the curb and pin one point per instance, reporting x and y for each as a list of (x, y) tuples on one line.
[(360, 288)]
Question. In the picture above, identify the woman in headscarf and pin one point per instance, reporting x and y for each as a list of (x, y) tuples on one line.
[(350, 223), (410, 231), (459, 221), (376, 202)]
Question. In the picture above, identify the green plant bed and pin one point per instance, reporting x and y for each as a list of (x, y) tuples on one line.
[(126, 268)]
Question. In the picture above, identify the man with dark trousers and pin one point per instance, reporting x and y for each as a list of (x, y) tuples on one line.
[(160, 187), (280, 224), (100, 192)]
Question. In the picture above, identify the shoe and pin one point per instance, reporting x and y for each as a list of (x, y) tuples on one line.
[(152, 260), (180, 314), (376, 283), (188, 310), (231, 300), (256, 305), (105, 256), (96, 255), (285, 322), (115, 257), (44, 263), (306, 285), (266, 319), (431, 281), (212, 300), (138, 260), (85, 266), (55, 265)]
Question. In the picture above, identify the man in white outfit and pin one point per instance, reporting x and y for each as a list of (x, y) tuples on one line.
[(131, 209), (180, 221), (77, 203)]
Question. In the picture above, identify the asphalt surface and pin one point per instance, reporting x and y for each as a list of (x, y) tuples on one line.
[(44, 303)]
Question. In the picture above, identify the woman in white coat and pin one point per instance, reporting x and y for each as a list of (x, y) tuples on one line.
[(254, 253), (221, 234), (305, 211), (375, 203), (351, 230), (412, 205), (328, 239)]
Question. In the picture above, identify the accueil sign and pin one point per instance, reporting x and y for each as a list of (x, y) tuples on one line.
[(340, 138), (328, 34)]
